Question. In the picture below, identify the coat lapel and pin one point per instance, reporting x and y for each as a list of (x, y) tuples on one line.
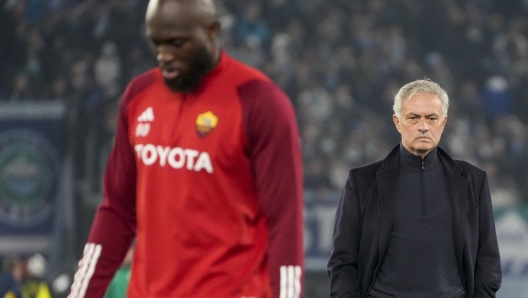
[(458, 193), (457, 187), (387, 190)]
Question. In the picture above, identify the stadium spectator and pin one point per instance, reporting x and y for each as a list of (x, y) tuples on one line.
[(34, 284), (11, 276)]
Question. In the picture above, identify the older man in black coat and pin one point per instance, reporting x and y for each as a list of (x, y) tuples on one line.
[(417, 223)]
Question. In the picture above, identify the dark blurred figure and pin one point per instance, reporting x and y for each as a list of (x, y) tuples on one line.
[(34, 285), (11, 277)]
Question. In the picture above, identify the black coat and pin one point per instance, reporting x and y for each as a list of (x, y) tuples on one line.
[(363, 227)]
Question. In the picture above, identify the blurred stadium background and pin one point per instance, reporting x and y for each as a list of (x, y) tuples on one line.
[(65, 63)]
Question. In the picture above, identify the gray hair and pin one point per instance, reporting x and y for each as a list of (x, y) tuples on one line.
[(420, 87)]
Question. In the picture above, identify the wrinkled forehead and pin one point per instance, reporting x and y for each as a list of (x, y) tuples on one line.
[(423, 101)]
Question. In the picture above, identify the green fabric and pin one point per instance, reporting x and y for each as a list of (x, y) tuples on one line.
[(118, 286)]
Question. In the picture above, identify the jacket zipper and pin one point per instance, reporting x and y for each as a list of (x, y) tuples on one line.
[(422, 189)]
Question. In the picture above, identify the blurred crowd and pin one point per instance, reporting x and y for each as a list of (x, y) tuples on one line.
[(341, 62), (24, 278)]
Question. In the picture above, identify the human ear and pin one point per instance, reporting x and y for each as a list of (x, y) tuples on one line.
[(213, 29), (444, 120), (396, 121)]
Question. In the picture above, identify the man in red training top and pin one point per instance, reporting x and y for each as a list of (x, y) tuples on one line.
[(206, 171)]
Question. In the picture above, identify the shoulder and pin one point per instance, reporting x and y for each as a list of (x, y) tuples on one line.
[(256, 91), (366, 172), (464, 168), (470, 171), (467, 167), (139, 84), (251, 80), (390, 161), (244, 72), (367, 168)]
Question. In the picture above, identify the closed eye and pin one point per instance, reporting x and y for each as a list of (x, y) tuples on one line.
[(175, 42)]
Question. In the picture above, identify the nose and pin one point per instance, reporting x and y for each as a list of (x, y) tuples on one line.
[(422, 125), (165, 54)]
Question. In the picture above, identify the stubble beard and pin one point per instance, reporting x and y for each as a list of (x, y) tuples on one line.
[(187, 82)]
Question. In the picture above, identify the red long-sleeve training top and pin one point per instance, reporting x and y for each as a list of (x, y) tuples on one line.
[(210, 182)]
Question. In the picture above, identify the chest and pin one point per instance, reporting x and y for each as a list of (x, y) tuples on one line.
[(423, 196), (186, 131)]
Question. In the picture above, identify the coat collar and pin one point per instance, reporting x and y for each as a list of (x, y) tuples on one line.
[(393, 160)]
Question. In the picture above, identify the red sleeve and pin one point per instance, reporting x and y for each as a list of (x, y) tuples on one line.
[(114, 226), (274, 148)]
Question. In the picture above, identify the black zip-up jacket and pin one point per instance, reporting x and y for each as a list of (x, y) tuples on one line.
[(363, 226)]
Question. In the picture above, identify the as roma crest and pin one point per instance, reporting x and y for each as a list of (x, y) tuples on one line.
[(205, 123)]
